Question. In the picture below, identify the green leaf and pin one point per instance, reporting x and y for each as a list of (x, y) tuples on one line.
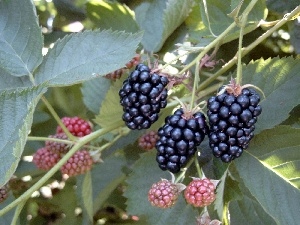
[(21, 39), (248, 212), (11, 82), (111, 111), (17, 107), (145, 173), (106, 177), (113, 16), (227, 190), (158, 20), (94, 92), (83, 56), (87, 195), (270, 170), (282, 6), (280, 81), (215, 17)]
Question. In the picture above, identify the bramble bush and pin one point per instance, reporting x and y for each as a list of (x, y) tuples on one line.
[(101, 99)]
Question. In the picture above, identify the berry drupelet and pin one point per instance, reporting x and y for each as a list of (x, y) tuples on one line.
[(232, 115), (179, 138), (142, 96)]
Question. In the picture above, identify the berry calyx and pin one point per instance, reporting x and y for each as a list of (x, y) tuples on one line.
[(45, 159), (79, 163), (163, 194), (232, 115), (77, 126), (58, 147), (148, 140), (200, 192), (142, 96), (179, 138)]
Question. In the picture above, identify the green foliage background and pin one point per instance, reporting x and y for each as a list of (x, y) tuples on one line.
[(262, 187)]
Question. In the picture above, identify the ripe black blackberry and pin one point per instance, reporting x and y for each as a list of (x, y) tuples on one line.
[(232, 115), (142, 96), (179, 138)]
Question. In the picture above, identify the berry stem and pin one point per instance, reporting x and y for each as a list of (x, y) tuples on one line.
[(81, 142), (250, 47), (17, 213), (225, 220), (239, 74), (199, 170), (208, 47), (33, 138), (58, 120), (182, 173)]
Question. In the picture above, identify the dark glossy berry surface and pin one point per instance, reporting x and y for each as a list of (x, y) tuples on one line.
[(142, 96), (231, 120), (178, 140)]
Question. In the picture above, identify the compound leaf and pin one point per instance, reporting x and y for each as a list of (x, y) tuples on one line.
[(83, 56), (21, 38)]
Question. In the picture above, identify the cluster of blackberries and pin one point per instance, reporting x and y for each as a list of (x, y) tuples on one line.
[(231, 119), (178, 139), (46, 157), (142, 96)]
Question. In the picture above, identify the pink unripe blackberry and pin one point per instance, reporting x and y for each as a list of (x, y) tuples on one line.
[(77, 126), (4, 193), (200, 192), (58, 147), (45, 159), (115, 74), (163, 194), (148, 140), (79, 163)]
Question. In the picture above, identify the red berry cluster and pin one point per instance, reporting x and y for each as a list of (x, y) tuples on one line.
[(163, 194), (199, 193), (148, 140), (77, 126), (46, 157)]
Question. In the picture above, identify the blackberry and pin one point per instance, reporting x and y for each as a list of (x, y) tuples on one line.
[(232, 116), (179, 138), (142, 96)]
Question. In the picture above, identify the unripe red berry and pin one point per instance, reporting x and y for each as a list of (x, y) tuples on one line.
[(77, 126), (79, 163), (200, 192), (45, 159), (4, 193), (58, 147), (163, 194), (148, 140)]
